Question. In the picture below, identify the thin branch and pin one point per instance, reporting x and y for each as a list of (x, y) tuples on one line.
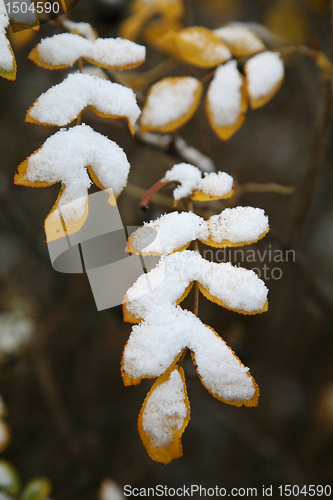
[(156, 187)]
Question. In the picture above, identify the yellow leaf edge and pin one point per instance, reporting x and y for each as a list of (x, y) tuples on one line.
[(174, 450), (205, 292), (259, 102), (226, 243), (179, 122), (247, 402), (201, 196), (30, 119)]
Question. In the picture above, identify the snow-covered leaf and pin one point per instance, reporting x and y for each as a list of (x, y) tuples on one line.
[(264, 75), (226, 101), (64, 158), (240, 40), (200, 47), (164, 416), (214, 185), (61, 104), (63, 50), (170, 103), (166, 329), (233, 227), (7, 58)]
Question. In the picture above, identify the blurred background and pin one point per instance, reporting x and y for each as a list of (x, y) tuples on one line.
[(70, 416)]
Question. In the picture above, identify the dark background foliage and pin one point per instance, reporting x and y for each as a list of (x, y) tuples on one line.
[(71, 418)]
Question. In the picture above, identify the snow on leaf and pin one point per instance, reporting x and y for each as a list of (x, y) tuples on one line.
[(226, 101), (166, 329), (83, 29), (264, 75), (63, 50), (61, 104), (213, 186), (240, 40), (64, 158), (170, 103), (175, 231), (233, 227), (7, 58), (164, 416), (200, 47)]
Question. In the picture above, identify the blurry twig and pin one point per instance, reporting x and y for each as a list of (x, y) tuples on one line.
[(254, 187)]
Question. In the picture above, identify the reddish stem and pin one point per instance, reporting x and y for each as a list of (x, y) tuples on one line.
[(156, 187)]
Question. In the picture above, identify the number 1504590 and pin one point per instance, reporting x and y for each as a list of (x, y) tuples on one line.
[(37, 7), (311, 490)]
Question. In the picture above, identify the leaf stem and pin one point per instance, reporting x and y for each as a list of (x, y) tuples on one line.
[(156, 187)]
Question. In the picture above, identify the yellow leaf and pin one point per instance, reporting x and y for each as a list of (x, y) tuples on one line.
[(132, 26), (161, 425), (20, 39), (170, 103), (287, 20), (226, 101), (201, 196), (153, 33), (167, 8), (200, 47)]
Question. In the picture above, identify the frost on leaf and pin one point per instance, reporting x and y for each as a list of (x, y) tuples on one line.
[(233, 227), (226, 101), (213, 186), (165, 329), (164, 415), (61, 104), (170, 103), (63, 50), (200, 47), (264, 75), (64, 158), (7, 58), (240, 40)]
